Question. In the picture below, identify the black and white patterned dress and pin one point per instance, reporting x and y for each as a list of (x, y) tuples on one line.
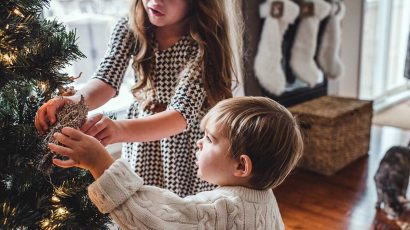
[(170, 162)]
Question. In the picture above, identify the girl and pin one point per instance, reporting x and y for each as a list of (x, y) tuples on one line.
[(183, 58)]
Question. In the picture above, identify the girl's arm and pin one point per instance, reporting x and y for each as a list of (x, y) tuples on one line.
[(96, 93), (151, 128), (105, 83), (155, 127), (182, 112)]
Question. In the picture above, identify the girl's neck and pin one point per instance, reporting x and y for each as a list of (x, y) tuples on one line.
[(168, 35)]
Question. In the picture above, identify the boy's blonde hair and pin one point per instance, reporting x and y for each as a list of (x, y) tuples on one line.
[(262, 129), (218, 33)]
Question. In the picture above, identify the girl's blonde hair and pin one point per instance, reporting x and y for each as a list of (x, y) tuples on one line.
[(218, 33), (262, 129)]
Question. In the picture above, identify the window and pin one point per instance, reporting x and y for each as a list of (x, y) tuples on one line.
[(93, 21), (385, 37)]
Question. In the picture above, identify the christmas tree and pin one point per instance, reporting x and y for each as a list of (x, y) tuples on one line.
[(33, 51)]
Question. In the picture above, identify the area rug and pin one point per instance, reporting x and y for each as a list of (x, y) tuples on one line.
[(396, 116)]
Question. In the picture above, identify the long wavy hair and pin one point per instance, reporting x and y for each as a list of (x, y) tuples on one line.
[(218, 33)]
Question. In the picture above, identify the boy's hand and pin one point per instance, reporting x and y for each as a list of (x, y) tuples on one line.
[(102, 128), (83, 150)]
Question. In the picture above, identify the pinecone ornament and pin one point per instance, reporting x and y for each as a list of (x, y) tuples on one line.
[(71, 115)]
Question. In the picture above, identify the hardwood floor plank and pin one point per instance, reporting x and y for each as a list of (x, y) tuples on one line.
[(344, 201)]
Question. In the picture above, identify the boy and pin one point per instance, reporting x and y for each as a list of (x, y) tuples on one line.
[(250, 145)]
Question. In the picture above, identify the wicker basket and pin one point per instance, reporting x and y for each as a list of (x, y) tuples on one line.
[(336, 132)]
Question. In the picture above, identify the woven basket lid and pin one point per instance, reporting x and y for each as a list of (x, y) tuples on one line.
[(329, 107)]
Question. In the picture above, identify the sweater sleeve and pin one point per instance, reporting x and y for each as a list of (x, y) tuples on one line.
[(115, 186), (115, 62), (120, 192)]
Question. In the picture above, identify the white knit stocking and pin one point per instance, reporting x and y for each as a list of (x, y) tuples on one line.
[(290, 13), (304, 47), (329, 50), (268, 69)]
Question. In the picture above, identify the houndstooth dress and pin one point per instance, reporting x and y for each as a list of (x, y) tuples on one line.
[(170, 162)]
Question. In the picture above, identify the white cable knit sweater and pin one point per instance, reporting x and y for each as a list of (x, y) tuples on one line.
[(120, 192)]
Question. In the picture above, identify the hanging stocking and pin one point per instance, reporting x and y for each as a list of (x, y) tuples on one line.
[(268, 69), (290, 13), (329, 50), (303, 50)]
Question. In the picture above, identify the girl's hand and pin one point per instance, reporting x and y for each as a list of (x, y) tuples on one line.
[(46, 114), (83, 150), (102, 128)]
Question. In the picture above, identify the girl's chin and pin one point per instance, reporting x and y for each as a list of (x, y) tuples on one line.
[(157, 23)]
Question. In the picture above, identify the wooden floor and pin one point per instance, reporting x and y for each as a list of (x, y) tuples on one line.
[(343, 201)]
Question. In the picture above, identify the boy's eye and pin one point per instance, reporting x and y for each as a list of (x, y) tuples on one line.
[(208, 139)]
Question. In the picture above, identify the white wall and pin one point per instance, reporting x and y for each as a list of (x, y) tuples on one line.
[(348, 84)]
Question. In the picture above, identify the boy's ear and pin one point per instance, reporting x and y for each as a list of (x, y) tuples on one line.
[(244, 167)]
